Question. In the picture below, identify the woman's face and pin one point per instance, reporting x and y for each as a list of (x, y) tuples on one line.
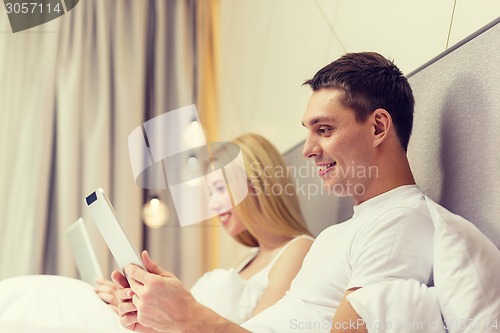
[(220, 203)]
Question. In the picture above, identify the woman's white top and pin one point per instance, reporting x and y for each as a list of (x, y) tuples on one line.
[(231, 296)]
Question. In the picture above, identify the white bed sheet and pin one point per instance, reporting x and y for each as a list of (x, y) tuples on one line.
[(48, 303)]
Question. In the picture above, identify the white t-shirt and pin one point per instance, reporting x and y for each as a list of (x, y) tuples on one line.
[(388, 237), (231, 296)]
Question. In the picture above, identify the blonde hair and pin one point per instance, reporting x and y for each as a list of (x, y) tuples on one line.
[(272, 204)]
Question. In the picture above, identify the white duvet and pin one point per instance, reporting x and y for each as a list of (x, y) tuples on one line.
[(53, 304)]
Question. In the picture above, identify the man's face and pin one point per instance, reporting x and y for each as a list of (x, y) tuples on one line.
[(341, 147)]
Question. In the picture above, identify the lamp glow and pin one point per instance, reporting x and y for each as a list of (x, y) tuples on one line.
[(155, 213)]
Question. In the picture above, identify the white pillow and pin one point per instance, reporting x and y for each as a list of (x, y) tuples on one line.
[(466, 273), (48, 303), (398, 306)]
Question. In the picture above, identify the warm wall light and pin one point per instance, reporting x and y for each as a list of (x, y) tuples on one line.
[(155, 213)]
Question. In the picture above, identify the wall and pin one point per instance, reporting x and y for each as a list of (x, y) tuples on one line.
[(453, 150), (268, 48)]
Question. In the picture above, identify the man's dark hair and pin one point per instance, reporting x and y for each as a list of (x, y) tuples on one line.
[(369, 82)]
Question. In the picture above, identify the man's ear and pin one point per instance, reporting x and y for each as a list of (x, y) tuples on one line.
[(382, 123)]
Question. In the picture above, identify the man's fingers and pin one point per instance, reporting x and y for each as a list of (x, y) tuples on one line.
[(126, 308), (129, 321), (136, 301), (124, 295), (153, 267), (119, 279), (128, 315), (107, 298), (136, 273)]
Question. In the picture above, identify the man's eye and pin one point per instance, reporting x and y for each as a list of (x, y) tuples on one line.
[(324, 130)]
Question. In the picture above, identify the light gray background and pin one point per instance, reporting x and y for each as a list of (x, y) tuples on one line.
[(455, 147)]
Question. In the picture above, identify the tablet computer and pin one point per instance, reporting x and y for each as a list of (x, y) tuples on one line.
[(85, 258), (111, 230)]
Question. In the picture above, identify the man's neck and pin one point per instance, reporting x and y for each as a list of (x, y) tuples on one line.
[(390, 175)]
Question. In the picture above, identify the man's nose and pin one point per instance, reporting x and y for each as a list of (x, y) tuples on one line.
[(311, 148)]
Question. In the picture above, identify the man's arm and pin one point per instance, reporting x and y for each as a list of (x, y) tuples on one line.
[(346, 319), (208, 321)]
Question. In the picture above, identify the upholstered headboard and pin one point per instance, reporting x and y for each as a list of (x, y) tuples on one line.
[(455, 147)]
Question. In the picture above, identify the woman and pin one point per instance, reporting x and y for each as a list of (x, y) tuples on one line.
[(269, 220)]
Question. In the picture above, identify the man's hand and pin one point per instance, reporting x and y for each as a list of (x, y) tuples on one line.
[(157, 300), (161, 300), (126, 309), (106, 290)]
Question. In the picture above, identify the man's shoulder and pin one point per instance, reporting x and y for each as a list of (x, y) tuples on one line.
[(396, 227), (409, 206), (410, 214)]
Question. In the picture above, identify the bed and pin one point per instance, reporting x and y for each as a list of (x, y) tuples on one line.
[(53, 304), (455, 154)]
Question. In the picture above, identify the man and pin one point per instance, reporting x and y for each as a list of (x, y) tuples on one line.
[(358, 120)]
